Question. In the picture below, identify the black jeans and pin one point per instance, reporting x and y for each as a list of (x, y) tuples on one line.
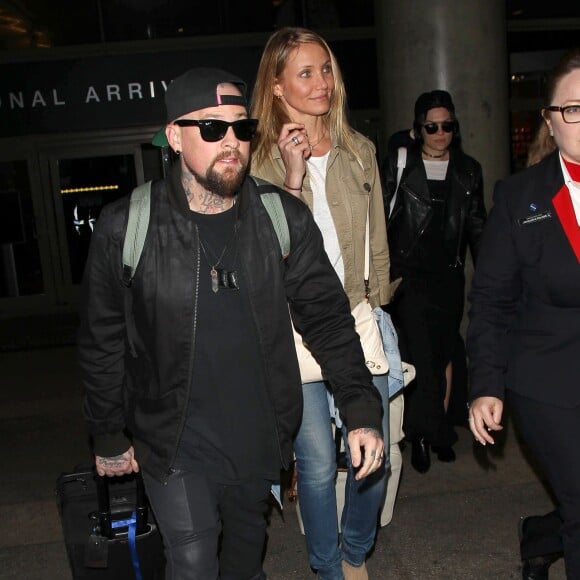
[(192, 511)]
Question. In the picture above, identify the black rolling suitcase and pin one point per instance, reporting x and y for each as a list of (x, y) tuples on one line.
[(108, 528)]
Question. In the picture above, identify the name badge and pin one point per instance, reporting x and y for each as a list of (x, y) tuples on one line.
[(534, 219)]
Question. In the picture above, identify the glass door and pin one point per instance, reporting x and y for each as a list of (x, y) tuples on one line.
[(83, 181), (21, 273), (52, 191)]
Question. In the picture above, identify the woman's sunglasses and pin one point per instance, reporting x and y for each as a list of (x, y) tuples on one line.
[(432, 128), (213, 130)]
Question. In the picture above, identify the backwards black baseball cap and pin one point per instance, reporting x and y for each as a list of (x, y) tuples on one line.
[(198, 89)]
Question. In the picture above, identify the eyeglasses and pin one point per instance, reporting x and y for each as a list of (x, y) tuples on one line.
[(213, 130), (570, 114), (431, 128)]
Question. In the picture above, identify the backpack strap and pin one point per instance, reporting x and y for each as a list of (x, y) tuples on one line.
[(137, 224), (401, 162), (273, 204)]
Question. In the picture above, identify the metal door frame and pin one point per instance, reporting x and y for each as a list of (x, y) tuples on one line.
[(41, 154)]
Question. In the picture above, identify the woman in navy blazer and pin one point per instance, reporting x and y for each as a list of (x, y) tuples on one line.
[(524, 331)]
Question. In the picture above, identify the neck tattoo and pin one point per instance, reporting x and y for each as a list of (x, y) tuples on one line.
[(435, 156), (205, 202), (211, 203)]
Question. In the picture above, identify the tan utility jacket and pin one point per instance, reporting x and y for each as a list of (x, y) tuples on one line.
[(349, 187)]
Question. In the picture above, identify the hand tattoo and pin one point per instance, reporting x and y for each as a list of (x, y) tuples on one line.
[(113, 462)]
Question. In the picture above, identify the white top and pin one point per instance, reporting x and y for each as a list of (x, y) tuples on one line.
[(436, 170), (321, 212), (573, 188)]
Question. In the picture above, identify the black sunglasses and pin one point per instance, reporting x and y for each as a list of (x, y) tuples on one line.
[(213, 130), (431, 128)]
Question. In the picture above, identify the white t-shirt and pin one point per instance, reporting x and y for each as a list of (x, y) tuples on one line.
[(321, 212), (436, 170)]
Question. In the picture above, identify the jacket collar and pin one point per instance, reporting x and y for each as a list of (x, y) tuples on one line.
[(335, 150), (276, 154), (175, 189), (554, 179), (417, 176)]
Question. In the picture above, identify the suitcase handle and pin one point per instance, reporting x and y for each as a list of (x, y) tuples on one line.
[(141, 509)]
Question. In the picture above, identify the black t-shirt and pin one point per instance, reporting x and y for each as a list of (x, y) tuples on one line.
[(230, 429)]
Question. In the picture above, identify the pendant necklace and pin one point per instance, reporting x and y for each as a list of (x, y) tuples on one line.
[(214, 270), (434, 156), (313, 145)]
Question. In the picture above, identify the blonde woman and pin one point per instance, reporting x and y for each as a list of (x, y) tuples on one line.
[(306, 146)]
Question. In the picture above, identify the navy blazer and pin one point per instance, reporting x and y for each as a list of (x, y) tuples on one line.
[(524, 321)]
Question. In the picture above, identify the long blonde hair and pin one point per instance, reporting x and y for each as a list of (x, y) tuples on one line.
[(269, 109)]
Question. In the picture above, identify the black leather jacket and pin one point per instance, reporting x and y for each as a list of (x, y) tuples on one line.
[(412, 211), (146, 395)]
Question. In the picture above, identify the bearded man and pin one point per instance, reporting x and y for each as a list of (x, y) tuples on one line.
[(198, 385)]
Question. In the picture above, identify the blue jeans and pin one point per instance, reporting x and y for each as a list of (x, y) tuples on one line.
[(316, 464)]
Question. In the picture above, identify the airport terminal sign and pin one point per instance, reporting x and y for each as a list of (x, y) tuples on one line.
[(100, 92), (107, 91)]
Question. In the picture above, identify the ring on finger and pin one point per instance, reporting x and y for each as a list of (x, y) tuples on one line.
[(296, 140)]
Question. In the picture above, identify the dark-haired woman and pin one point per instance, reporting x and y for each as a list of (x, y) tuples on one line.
[(435, 212), (524, 324)]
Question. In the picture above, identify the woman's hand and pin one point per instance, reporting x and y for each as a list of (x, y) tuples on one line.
[(295, 149), (485, 416)]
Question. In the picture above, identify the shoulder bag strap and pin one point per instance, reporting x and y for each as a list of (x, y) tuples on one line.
[(401, 162)]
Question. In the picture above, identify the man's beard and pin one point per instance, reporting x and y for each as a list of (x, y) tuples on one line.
[(225, 184)]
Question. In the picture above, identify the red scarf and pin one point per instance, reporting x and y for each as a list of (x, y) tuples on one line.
[(562, 202), (573, 170)]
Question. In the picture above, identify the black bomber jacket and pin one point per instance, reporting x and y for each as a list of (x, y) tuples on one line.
[(141, 398), (465, 211)]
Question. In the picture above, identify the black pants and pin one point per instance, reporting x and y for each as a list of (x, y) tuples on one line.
[(427, 313), (553, 435), (542, 536), (193, 511)]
